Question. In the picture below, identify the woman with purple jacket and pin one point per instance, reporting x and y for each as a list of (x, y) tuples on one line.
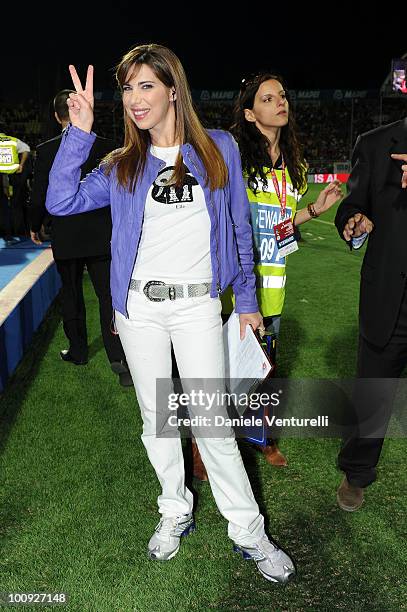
[(181, 234)]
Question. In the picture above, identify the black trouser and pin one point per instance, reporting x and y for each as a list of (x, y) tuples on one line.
[(73, 305), (373, 402)]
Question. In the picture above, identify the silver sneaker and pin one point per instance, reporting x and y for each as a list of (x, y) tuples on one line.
[(274, 564), (164, 543)]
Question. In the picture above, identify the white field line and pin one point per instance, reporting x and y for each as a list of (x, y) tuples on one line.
[(322, 221)]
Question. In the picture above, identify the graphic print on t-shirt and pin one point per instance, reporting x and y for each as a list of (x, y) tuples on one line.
[(170, 194)]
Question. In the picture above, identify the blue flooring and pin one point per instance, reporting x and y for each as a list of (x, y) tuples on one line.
[(15, 257)]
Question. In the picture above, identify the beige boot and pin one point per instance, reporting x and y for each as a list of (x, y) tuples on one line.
[(273, 454), (349, 498)]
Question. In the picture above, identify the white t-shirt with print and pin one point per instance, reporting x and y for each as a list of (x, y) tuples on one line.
[(175, 239)]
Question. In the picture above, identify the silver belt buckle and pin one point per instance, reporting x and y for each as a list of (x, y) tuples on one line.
[(146, 289)]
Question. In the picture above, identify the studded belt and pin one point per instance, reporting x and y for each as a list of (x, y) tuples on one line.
[(158, 291)]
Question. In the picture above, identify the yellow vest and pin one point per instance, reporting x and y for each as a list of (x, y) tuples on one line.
[(269, 267), (9, 160)]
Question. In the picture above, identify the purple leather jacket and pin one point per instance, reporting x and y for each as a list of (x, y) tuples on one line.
[(230, 238)]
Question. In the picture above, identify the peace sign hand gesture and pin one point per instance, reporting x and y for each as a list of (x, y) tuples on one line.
[(80, 104)]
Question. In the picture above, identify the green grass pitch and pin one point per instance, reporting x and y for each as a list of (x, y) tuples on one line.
[(78, 496)]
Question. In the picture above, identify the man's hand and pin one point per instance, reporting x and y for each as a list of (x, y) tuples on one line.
[(402, 157), (254, 319), (35, 237), (19, 169), (356, 226)]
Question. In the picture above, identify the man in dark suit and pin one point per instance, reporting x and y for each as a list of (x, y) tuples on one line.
[(375, 207), (78, 241)]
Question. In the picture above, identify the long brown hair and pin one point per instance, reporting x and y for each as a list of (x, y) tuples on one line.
[(130, 160)]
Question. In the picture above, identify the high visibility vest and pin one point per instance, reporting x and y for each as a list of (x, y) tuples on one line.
[(269, 267), (9, 160)]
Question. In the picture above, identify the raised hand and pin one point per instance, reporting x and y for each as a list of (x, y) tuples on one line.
[(328, 196), (80, 104), (402, 157), (356, 226)]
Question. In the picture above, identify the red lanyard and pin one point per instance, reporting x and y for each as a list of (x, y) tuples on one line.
[(282, 197)]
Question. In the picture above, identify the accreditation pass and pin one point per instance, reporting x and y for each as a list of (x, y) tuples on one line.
[(285, 238)]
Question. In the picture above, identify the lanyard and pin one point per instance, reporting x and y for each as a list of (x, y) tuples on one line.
[(282, 197)]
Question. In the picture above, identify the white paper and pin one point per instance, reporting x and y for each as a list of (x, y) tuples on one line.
[(246, 364)]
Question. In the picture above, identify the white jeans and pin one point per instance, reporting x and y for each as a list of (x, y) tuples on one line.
[(194, 327)]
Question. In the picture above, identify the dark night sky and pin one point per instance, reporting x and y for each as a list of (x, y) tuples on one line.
[(330, 49)]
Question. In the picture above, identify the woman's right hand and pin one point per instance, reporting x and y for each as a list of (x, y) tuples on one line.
[(80, 104)]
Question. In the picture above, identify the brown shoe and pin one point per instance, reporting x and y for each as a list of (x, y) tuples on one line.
[(273, 454), (349, 498), (199, 469)]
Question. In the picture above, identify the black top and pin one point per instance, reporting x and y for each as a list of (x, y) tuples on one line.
[(279, 163), (72, 236), (374, 189)]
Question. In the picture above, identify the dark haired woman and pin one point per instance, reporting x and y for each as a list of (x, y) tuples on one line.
[(174, 191), (275, 174)]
